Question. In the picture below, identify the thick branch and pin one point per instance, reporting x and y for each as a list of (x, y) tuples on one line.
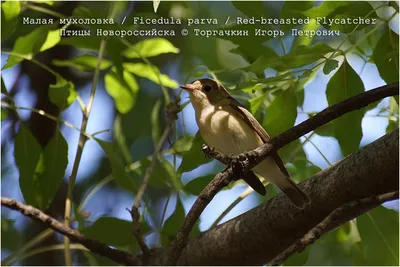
[(246, 161), (102, 249), (259, 235)]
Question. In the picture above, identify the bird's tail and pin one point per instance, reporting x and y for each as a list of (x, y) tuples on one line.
[(295, 194)]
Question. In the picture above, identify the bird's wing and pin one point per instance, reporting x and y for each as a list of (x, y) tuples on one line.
[(253, 123)]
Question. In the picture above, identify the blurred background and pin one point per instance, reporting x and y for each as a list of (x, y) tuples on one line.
[(132, 108)]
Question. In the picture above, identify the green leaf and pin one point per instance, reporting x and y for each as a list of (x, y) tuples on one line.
[(182, 144), (197, 185), (63, 93), (150, 72), (55, 161), (379, 231), (114, 232), (256, 102), (150, 48), (330, 65), (326, 130), (122, 90), (254, 9), (250, 51), (343, 85), (10, 236), (4, 114), (392, 125), (298, 57), (9, 18), (324, 9), (352, 10), (294, 9), (27, 45), (194, 157), (155, 122), (3, 86), (82, 63), (27, 152), (294, 153), (117, 167), (163, 174), (386, 56), (156, 3), (305, 40), (282, 113), (174, 222), (53, 38)]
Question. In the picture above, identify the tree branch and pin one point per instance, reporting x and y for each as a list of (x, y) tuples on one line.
[(173, 109), (259, 235), (329, 223), (102, 249), (246, 161)]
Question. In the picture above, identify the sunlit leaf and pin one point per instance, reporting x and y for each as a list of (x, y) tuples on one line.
[(27, 45), (150, 72), (324, 9), (62, 93), (82, 63), (9, 18), (150, 48), (53, 38), (256, 102), (182, 144), (156, 3), (343, 85), (122, 90)]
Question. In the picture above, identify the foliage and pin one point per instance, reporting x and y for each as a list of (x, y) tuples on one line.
[(141, 76)]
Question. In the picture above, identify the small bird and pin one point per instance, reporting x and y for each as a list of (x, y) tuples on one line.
[(229, 128)]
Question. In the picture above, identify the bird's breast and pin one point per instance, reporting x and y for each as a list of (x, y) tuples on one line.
[(221, 129)]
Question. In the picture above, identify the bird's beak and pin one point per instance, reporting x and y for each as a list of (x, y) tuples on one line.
[(188, 87)]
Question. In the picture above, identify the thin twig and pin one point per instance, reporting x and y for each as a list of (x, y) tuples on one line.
[(79, 151), (93, 245), (173, 109), (328, 223), (244, 162)]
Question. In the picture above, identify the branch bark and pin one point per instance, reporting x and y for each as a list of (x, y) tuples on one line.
[(259, 235), (246, 161)]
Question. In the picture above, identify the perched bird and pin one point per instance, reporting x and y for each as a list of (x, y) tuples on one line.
[(229, 128)]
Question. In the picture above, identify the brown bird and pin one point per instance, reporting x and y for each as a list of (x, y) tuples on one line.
[(227, 126)]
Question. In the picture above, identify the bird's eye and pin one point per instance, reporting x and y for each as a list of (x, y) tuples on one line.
[(207, 88)]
